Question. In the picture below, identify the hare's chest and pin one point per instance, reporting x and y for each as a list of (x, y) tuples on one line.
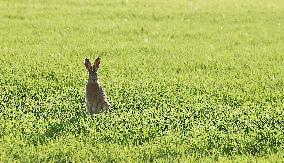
[(92, 92)]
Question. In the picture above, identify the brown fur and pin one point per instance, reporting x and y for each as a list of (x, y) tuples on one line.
[(96, 100)]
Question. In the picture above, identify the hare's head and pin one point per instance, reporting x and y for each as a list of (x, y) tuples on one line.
[(92, 69)]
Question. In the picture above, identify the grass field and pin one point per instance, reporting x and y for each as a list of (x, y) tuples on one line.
[(196, 80)]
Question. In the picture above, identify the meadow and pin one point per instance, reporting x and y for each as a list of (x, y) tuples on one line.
[(188, 80)]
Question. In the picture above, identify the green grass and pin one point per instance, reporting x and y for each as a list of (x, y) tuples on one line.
[(187, 80)]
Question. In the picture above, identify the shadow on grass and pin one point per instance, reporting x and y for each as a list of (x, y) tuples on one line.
[(65, 126)]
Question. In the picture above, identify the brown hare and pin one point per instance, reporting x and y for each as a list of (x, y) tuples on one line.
[(96, 99)]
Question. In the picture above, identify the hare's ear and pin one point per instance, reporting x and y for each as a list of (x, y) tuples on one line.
[(88, 65), (97, 63)]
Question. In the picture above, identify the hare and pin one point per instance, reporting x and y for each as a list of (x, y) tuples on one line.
[(96, 99)]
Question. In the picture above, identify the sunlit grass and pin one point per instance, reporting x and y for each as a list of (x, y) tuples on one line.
[(187, 80)]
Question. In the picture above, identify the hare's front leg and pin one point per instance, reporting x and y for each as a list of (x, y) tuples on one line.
[(91, 108), (88, 107)]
